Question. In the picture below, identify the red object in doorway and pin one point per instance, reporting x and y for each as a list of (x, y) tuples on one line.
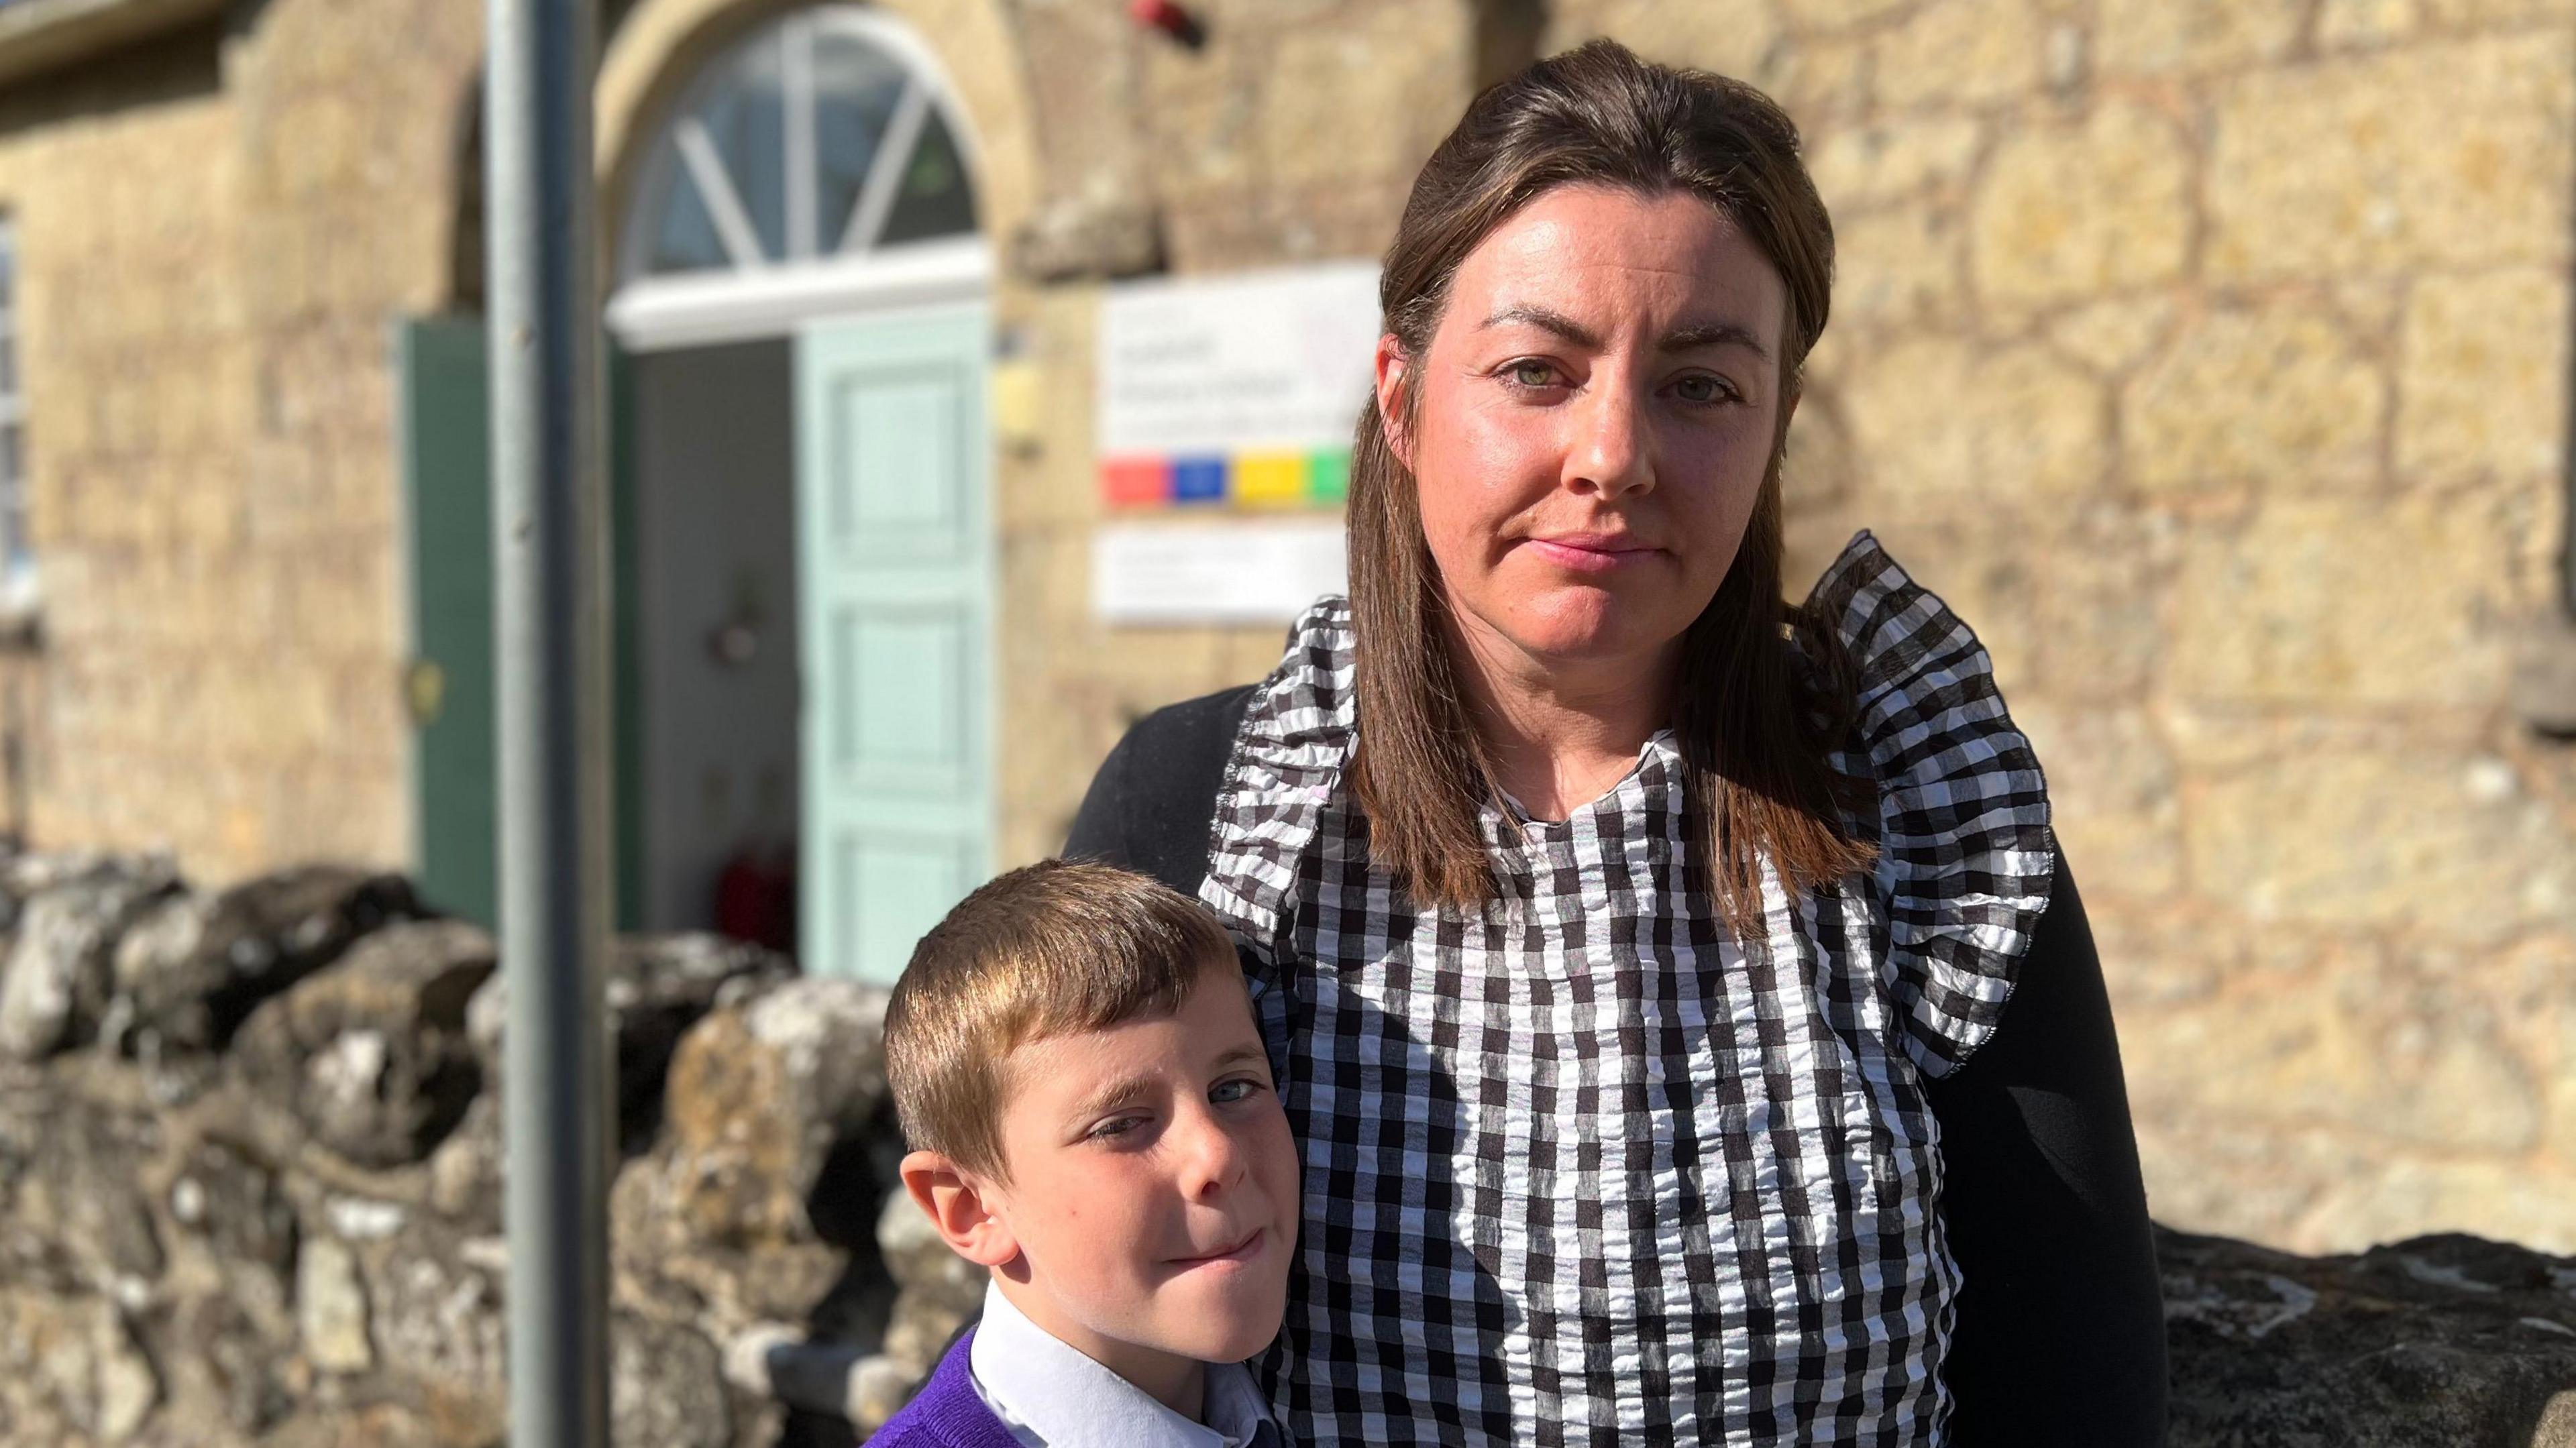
[(1168, 17), (756, 898)]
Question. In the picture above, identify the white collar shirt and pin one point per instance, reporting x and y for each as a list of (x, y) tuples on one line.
[(1050, 1395)]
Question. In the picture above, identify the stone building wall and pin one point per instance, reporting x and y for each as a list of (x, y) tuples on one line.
[(1290, 135), (2210, 358), (218, 229)]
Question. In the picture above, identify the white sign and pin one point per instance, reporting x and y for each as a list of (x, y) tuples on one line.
[(1216, 572), (1251, 362)]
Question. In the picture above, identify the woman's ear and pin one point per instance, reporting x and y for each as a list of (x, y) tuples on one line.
[(959, 1206), (1394, 373)]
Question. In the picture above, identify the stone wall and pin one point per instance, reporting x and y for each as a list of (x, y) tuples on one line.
[(217, 230), (250, 1194), (1290, 134), (250, 1177), (2210, 358)]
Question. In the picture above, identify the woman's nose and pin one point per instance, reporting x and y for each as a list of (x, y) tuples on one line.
[(1613, 451)]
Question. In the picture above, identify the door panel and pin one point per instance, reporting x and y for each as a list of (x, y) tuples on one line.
[(895, 533), (446, 460), (446, 464), (891, 428)]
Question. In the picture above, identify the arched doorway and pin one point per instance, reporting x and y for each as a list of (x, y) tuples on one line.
[(803, 460)]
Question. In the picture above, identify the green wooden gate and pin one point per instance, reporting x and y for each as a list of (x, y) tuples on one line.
[(895, 567)]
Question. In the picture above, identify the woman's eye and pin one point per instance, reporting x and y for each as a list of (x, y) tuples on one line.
[(1703, 388), (1531, 374)]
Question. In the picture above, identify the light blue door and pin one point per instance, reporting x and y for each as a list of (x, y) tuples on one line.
[(894, 532)]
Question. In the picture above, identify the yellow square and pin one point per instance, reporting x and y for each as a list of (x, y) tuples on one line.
[(1270, 480)]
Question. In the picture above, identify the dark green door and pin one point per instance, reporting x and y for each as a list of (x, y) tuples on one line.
[(447, 483), (446, 459)]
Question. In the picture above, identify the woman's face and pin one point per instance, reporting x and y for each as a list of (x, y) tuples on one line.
[(1596, 412)]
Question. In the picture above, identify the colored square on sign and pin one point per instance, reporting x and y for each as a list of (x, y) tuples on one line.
[(1135, 482), (1270, 480), (1198, 480), (1328, 475)]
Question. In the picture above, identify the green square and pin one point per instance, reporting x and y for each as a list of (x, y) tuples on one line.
[(1328, 475)]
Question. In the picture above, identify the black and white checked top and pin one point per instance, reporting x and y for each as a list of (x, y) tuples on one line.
[(1581, 1170)]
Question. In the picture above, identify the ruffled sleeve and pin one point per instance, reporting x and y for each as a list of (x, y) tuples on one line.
[(1966, 856), (1288, 756)]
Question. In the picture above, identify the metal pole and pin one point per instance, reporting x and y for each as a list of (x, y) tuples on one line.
[(548, 554)]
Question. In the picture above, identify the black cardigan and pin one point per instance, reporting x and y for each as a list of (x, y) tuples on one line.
[(2060, 1337)]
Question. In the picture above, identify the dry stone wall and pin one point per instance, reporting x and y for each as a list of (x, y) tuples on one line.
[(250, 1177), (250, 1180)]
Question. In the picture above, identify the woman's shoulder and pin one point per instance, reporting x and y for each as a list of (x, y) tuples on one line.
[(1925, 696), (1966, 853), (1190, 729), (1153, 803), (1194, 736), (1149, 805), (1902, 639)]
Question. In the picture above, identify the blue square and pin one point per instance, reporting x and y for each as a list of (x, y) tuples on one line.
[(1198, 480)]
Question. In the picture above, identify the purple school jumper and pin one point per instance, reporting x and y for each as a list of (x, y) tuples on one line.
[(948, 1412)]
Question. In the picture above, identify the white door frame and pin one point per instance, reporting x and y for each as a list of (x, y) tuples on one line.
[(653, 314)]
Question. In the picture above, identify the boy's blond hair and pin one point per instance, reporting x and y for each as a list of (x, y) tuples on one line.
[(1052, 949)]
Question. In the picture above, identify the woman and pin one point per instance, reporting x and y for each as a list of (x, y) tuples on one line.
[(1690, 1029)]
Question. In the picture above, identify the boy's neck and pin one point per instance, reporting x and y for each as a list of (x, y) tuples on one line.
[(1178, 1383)]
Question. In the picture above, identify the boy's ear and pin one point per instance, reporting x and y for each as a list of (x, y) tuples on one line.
[(954, 1200)]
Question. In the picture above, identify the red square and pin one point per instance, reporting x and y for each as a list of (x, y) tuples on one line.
[(1135, 482)]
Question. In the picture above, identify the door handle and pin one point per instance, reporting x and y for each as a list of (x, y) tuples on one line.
[(424, 691)]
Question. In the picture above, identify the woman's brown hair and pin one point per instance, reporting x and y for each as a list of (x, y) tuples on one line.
[(1755, 728)]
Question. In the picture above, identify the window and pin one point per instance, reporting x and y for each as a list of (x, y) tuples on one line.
[(17, 557), (818, 137)]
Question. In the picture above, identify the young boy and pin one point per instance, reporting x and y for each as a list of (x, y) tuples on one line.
[(1076, 1065)]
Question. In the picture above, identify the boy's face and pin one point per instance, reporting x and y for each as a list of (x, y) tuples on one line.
[(1153, 1193)]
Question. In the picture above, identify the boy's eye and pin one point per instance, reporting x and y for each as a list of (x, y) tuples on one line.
[(1115, 1126), (1227, 1092)]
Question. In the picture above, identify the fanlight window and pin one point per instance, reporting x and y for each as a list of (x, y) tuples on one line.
[(814, 139)]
